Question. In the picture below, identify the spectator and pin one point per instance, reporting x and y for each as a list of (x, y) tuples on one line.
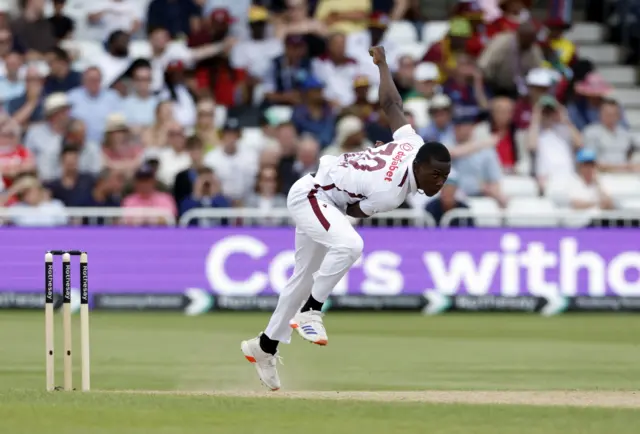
[(145, 195), (73, 187), (539, 82), (344, 16), (139, 106), (288, 144), (447, 200), (178, 17), (205, 127), (377, 128), (501, 124), (443, 53), (156, 136), (115, 62), (92, 104), (61, 77), (106, 191), (8, 44), (337, 72), (27, 107), (119, 149), (45, 139), (508, 58), (514, 13), (440, 129), (11, 84), (315, 115), (34, 30), (476, 162), (206, 194), (580, 190), (110, 16), (235, 168), (90, 152), (466, 88), (238, 11), (267, 197), (174, 158), (350, 137), (585, 107), (306, 157), (288, 72), (296, 21), (15, 159), (362, 107), (358, 45), (553, 138), (175, 90), (269, 157), (183, 184), (560, 53), (425, 79), (34, 207), (613, 144), (471, 10), (403, 78), (268, 137), (62, 25)]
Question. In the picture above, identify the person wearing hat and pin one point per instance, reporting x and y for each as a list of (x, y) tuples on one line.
[(235, 167), (447, 200), (584, 108), (472, 11), (514, 13), (362, 107), (440, 129), (119, 150), (146, 195), (350, 137), (344, 16), (288, 72), (553, 138), (314, 116), (443, 53), (425, 79), (539, 82)]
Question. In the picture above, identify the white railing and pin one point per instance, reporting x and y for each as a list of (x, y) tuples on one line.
[(205, 217), (94, 216), (546, 218)]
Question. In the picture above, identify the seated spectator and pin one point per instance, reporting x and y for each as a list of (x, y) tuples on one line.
[(62, 25), (284, 80), (157, 136), (514, 13), (235, 168), (337, 72), (443, 53), (403, 77), (115, 63), (44, 139), (501, 124), (205, 127), (377, 128), (145, 195), (90, 152), (178, 17), (183, 184), (613, 144), (296, 21), (106, 192), (288, 144), (27, 107), (476, 162), (15, 159), (440, 129), (174, 158), (315, 115), (358, 45), (448, 199), (553, 138), (306, 160), (466, 88), (109, 16), (580, 190), (508, 58), (35, 206), (206, 193), (350, 137), (425, 79), (267, 197), (33, 30), (73, 187), (269, 157), (344, 16), (362, 107), (176, 91), (139, 106), (92, 104), (8, 44), (584, 109), (120, 151), (560, 52), (61, 77), (11, 84), (539, 82)]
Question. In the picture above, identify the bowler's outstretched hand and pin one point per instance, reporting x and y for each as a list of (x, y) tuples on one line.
[(378, 55)]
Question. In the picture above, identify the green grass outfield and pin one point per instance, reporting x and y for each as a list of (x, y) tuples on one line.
[(457, 357)]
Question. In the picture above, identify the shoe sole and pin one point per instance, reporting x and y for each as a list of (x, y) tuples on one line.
[(321, 342), (252, 360)]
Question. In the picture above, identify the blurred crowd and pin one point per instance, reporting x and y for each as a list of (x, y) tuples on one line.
[(235, 101)]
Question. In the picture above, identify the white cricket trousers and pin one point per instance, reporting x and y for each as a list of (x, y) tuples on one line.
[(327, 245)]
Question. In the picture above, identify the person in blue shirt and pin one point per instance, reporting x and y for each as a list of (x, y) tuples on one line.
[(61, 77), (206, 194), (174, 15), (315, 115)]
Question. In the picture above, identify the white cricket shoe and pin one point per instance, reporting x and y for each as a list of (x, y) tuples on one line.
[(309, 325), (265, 363)]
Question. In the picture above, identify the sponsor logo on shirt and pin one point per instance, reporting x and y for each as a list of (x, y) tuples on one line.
[(393, 166)]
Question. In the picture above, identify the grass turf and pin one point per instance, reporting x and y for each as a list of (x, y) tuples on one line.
[(366, 352)]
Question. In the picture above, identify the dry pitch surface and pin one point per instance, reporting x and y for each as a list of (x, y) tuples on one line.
[(536, 398)]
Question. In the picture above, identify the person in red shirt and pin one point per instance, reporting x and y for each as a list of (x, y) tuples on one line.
[(15, 159), (471, 11), (514, 12)]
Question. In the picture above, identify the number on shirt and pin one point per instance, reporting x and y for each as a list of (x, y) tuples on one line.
[(368, 160)]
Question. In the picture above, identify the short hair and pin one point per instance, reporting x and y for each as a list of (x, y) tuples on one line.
[(60, 54), (205, 171), (611, 102), (194, 142), (433, 151), (69, 149)]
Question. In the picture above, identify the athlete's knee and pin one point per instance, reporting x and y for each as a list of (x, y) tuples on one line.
[(352, 246)]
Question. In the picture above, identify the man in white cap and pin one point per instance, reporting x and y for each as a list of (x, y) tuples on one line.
[(350, 137), (539, 82), (425, 79)]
